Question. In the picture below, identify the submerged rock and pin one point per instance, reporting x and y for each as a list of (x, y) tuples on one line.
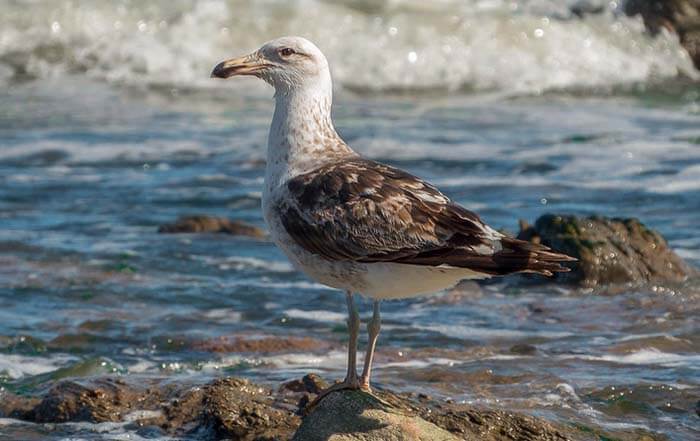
[(211, 224), (679, 16), (262, 344), (610, 250)]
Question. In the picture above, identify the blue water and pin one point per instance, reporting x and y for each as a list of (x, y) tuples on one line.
[(89, 171), (110, 127)]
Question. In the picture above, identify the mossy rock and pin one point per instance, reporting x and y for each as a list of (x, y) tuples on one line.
[(609, 250)]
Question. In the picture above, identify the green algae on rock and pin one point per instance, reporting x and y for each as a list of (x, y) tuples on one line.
[(610, 250)]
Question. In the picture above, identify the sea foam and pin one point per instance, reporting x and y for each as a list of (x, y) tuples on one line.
[(521, 47)]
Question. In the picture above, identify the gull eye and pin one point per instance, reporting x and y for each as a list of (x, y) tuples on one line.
[(287, 51)]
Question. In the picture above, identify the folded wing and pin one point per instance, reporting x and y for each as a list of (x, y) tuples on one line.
[(360, 210)]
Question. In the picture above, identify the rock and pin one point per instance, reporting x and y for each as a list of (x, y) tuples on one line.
[(104, 400), (16, 406), (225, 408), (237, 409), (610, 250), (497, 425), (265, 344), (679, 16), (310, 383), (211, 224), (625, 401), (393, 416), (357, 415), (523, 349)]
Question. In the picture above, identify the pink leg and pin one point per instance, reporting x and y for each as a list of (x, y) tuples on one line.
[(351, 381), (373, 328)]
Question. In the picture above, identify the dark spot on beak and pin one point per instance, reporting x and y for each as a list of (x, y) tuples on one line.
[(220, 71)]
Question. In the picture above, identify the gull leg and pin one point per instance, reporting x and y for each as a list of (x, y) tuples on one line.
[(373, 328), (351, 381), (353, 331)]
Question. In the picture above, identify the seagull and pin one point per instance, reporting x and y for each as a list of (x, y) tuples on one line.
[(355, 224)]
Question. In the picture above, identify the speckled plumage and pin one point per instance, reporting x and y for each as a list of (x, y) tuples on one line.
[(355, 224), (362, 226)]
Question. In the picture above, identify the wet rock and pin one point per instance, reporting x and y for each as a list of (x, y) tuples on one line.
[(476, 378), (16, 406), (387, 411), (523, 349), (610, 250), (302, 390), (644, 399), (105, 400), (497, 425), (211, 224), (181, 414), (235, 408), (310, 383), (76, 342), (679, 16), (265, 345), (229, 408), (357, 415), (23, 344)]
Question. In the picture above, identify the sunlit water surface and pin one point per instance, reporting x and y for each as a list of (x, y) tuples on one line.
[(110, 127), (88, 172)]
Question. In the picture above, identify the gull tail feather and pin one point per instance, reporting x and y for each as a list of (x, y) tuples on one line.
[(519, 256)]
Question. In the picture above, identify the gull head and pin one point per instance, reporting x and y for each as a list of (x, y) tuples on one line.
[(286, 63)]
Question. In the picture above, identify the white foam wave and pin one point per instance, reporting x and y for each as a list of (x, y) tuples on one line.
[(526, 46), (17, 366), (286, 362), (648, 356), (13, 422), (136, 415), (223, 315), (317, 315), (423, 363), (461, 331), (239, 263)]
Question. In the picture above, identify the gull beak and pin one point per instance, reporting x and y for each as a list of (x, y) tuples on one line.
[(246, 65)]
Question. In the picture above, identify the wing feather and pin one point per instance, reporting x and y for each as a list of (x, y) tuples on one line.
[(360, 210)]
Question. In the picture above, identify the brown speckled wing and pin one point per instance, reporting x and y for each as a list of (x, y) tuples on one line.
[(360, 210)]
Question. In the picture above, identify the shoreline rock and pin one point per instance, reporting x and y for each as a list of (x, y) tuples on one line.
[(679, 16), (611, 251), (238, 409), (211, 224), (360, 416)]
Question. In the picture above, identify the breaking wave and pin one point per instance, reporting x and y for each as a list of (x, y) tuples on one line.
[(525, 46)]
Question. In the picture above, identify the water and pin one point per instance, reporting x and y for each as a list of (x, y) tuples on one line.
[(109, 127)]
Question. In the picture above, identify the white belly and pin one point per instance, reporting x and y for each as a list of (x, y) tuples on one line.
[(374, 280), (398, 281)]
